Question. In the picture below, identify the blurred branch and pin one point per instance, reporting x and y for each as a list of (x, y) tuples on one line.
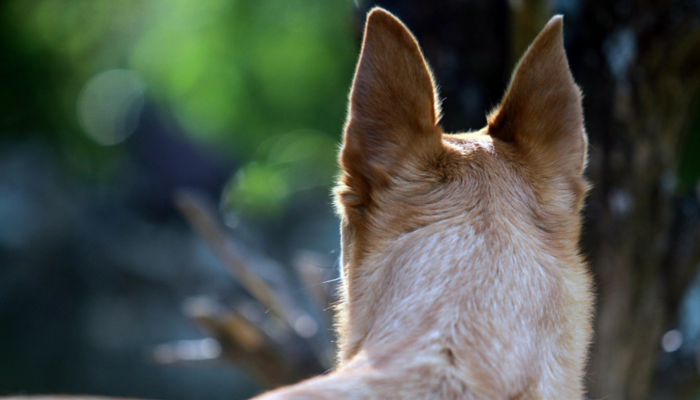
[(262, 347), (247, 344), (204, 220)]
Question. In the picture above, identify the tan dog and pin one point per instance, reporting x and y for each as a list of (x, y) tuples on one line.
[(462, 276)]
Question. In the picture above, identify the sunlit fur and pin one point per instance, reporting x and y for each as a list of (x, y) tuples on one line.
[(462, 277)]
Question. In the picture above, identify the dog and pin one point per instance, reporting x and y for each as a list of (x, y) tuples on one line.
[(462, 277)]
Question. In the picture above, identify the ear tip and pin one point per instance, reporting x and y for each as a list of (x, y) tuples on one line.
[(557, 19), (378, 16), (555, 24), (552, 35), (378, 13)]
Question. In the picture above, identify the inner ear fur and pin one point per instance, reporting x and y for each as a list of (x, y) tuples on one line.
[(393, 114), (541, 112)]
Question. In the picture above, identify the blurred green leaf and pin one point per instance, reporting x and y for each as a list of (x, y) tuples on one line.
[(688, 162), (263, 80), (298, 161), (257, 190)]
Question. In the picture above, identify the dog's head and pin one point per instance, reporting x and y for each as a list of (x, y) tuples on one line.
[(406, 187)]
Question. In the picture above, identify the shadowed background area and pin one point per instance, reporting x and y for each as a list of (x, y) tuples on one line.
[(166, 224)]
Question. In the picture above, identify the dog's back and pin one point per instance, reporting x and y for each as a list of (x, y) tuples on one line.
[(461, 272)]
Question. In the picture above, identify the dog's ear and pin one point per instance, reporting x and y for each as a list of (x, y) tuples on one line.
[(393, 114), (541, 112)]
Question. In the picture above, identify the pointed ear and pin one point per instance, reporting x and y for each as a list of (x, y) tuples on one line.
[(541, 112), (393, 113)]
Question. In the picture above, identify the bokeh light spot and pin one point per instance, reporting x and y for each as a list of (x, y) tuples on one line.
[(671, 341), (109, 106)]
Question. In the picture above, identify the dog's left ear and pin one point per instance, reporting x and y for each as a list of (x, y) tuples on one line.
[(541, 112), (393, 114)]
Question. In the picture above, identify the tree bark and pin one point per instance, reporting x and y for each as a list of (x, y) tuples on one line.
[(636, 113)]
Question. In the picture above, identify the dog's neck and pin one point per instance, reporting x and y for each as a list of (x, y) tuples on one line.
[(427, 279), (448, 300)]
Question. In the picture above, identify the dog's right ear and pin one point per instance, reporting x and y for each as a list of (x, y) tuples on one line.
[(393, 114)]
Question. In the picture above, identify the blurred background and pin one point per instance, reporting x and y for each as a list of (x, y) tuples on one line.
[(166, 224)]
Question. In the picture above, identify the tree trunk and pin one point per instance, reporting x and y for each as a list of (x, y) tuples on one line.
[(636, 113)]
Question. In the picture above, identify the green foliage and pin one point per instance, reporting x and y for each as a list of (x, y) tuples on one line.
[(239, 74), (688, 161), (285, 164)]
